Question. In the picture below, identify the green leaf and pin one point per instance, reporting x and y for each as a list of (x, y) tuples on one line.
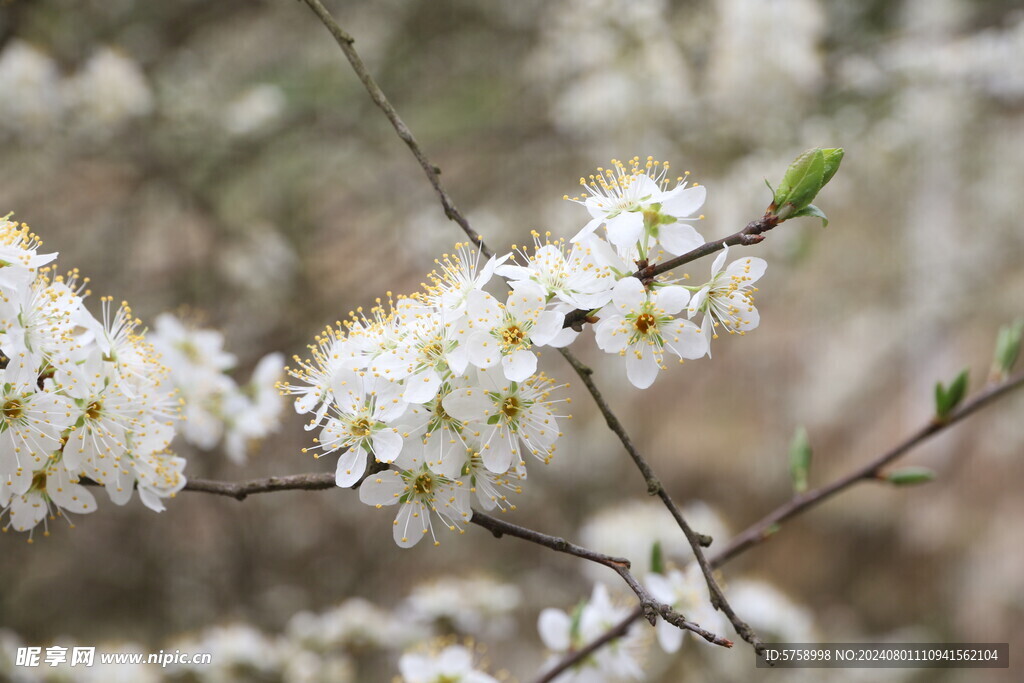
[(657, 561), (946, 399), (493, 419), (574, 626), (802, 181), (1007, 348), (833, 157), (812, 210), (909, 476), (800, 460)]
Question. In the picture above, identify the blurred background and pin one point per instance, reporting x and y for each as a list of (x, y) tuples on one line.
[(220, 160)]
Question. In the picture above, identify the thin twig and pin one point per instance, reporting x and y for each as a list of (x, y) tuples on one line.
[(766, 526), (501, 528), (753, 233), (345, 42), (650, 607), (654, 487)]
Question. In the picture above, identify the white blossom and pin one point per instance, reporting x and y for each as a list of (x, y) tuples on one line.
[(418, 492), (727, 300), (563, 633), (637, 208), (685, 591), (30, 81), (507, 416), (109, 90), (506, 334), (254, 110), (453, 664), (640, 325), (574, 278), (475, 605), (358, 422)]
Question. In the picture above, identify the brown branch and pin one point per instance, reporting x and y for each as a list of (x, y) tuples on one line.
[(654, 487), (765, 527), (345, 42), (649, 606), (753, 233), (241, 490)]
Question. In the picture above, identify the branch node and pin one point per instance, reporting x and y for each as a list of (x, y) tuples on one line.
[(705, 540)]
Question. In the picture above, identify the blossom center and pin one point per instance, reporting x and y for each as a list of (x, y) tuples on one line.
[(433, 351), (94, 410), (423, 484), (13, 409), (645, 322), (362, 427), (513, 337), (510, 407)]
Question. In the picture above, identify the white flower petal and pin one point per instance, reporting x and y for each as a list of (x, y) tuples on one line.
[(554, 627), (468, 404), (411, 524), (383, 488), (548, 325), (683, 202), (482, 349), (750, 268), (565, 336), (70, 497), (589, 228), (641, 371), (421, 387), (609, 334), (519, 365), (685, 339), (672, 299), (387, 444), (351, 466), (628, 294), (625, 229), (497, 453), (679, 238), (669, 637)]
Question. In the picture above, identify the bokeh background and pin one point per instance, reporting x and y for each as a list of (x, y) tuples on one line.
[(222, 160)]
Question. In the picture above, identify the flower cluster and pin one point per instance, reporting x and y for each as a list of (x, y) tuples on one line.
[(442, 387), (80, 397), (216, 408)]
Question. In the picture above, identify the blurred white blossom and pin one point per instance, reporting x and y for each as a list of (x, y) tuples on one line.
[(30, 104), (109, 90), (255, 109)]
